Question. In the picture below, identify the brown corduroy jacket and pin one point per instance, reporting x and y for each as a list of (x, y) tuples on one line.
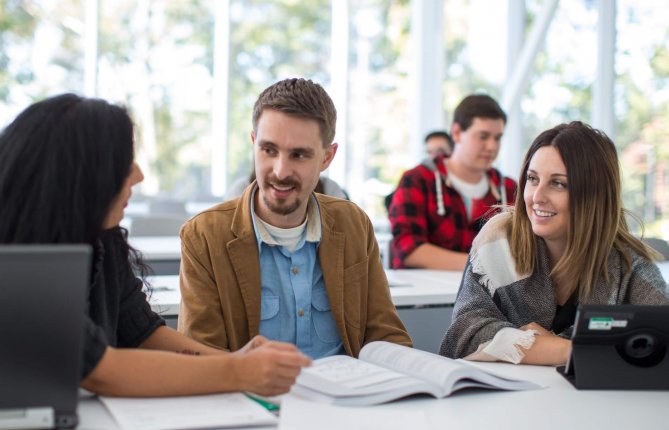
[(220, 276)]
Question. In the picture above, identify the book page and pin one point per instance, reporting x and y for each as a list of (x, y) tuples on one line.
[(447, 373), (341, 375), (416, 363), (187, 412)]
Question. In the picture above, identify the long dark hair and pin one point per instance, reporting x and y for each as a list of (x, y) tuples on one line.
[(63, 160), (597, 222)]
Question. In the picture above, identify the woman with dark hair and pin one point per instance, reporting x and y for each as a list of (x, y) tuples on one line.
[(565, 242), (66, 173)]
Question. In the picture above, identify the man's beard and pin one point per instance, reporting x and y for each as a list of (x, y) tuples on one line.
[(280, 208)]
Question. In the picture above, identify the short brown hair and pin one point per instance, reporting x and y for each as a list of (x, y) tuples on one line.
[(597, 222), (299, 97), (477, 106)]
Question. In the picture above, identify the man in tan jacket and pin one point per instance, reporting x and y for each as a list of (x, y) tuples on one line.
[(282, 261)]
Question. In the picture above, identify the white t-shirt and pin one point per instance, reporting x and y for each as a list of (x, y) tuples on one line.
[(470, 191), (285, 237)]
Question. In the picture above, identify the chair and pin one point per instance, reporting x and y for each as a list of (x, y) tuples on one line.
[(658, 245), (387, 200), (167, 207), (156, 225)]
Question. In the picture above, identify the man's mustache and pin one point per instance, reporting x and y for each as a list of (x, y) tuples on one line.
[(284, 182)]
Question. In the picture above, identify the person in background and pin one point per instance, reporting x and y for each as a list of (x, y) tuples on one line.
[(564, 242), (325, 185), (438, 142), (281, 260), (66, 172), (440, 205)]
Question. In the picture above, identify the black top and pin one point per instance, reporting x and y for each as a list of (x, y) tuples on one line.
[(118, 314), (564, 315)]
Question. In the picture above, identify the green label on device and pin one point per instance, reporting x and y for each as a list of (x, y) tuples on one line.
[(600, 323)]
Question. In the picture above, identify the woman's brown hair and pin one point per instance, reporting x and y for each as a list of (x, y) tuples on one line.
[(597, 224)]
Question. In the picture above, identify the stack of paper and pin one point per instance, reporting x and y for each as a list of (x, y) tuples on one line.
[(187, 412)]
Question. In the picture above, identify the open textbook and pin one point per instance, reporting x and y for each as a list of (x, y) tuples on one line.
[(386, 371)]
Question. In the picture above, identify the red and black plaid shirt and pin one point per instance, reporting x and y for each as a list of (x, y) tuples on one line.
[(413, 212)]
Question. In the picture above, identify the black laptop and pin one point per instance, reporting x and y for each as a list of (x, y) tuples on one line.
[(42, 304), (621, 347)]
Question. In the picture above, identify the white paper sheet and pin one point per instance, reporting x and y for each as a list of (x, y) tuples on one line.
[(187, 412), (301, 414)]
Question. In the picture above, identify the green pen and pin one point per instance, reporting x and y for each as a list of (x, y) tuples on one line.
[(272, 407)]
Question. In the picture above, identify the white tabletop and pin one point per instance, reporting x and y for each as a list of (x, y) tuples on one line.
[(161, 248), (408, 288), (169, 248), (559, 406)]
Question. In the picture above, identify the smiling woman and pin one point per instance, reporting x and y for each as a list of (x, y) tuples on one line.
[(565, 242), (546, 197)]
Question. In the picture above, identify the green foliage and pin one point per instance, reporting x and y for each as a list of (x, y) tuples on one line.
[(270, 41), (17, 25)]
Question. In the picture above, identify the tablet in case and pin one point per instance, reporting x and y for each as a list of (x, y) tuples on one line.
[(620, 347)]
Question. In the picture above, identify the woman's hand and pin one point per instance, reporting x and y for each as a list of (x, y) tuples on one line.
[(252, 344), (538, 328), (548, 348)]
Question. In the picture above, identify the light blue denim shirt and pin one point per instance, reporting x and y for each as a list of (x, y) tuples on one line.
[(294, 304)]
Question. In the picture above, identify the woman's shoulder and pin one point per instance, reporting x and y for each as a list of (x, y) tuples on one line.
[(491, 257), (639, 267), (496, 228), (643, 278), (635, 258)]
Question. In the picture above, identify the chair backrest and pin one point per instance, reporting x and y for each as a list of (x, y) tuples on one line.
[(387, 200), (156, 225), (167, 207)]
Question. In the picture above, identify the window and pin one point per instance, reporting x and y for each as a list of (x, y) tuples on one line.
[(190, 71)]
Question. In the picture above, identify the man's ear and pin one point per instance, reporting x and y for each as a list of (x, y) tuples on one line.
[(456, 130), (329, 156), (253, 137)]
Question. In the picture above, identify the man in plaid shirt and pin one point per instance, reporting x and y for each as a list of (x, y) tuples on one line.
[(440, 205)]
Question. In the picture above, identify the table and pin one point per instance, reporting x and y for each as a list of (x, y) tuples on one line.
[(423, 298), (163, 253), (559, 406), (408, 288)]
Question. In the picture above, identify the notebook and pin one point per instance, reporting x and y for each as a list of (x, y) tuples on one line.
[(620, 347), (42, 303)]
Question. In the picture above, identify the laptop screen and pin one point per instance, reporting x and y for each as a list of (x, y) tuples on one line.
[(42, 305)]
